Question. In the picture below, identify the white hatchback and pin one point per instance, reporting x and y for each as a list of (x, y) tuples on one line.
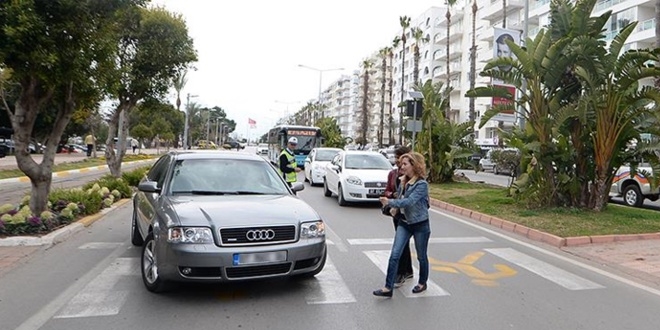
[(315, 164), (356, 176)]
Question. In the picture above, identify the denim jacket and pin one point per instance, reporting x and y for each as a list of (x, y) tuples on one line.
[(415, 201)]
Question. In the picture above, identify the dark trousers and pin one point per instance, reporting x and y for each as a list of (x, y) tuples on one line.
[(89, 150), (405, 262)]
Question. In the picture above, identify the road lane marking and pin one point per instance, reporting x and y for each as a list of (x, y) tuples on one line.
[(98, 297), (381, 259), (99, 246), (545, 270), (552, 254), (432, 240), (40, 318), (328, 287)]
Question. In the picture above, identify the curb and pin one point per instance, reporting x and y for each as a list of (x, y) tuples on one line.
[(64, 174), (537, 235), (63, 233)]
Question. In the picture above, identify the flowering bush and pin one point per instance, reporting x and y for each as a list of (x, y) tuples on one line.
[(64, 206)]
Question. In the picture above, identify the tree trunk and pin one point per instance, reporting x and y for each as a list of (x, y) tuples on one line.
[(473, 65), (391, 91), (114, 159), (448, 108), (23, 119), (382, 101), (600, 194), (403, 76), (657, 35)]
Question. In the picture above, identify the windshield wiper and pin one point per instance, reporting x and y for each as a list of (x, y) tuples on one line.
[(212, 192), (244, 192)]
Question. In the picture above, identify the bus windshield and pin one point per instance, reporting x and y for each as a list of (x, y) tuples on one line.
[(305, 143)]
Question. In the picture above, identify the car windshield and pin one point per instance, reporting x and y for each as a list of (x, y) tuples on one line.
[(325, 155), (225, 177), (367, 162)]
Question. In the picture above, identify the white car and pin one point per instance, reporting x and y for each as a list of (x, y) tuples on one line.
[(262, 149), (315, 164), (356, 176)]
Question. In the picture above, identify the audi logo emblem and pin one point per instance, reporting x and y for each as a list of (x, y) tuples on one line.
[(260, 235)]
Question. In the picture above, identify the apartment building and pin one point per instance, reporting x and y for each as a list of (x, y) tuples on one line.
[(337, 101), (433, 55)]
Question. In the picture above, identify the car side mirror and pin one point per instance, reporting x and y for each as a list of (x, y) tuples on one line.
[(335, 168), (149, 186), (297, 186)]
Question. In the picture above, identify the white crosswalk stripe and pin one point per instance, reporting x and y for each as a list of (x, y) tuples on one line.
[(432, 240), (545, 270), (98, 297), (328, 287), (381, 258)]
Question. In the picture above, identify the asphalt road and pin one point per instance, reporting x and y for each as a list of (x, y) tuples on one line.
[(480, 279)]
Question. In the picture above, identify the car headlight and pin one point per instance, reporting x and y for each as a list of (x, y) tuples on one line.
[(190, 235), (354, 180), (312, 229)]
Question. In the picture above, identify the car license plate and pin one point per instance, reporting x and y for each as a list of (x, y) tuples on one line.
[(258, 258), (376, 191)]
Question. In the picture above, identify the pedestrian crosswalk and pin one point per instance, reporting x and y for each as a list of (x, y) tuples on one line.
[(101, 296)]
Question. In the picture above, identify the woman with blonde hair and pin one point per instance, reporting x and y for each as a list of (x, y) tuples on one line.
[(413, 202)]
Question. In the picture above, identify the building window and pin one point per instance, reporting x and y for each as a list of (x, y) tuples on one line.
[(426, 70)]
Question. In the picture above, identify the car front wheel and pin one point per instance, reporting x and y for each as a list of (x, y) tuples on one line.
[(326, 191), (632, 196), (150, 276)]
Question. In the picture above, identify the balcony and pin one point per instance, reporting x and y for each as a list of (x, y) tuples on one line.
[(487, 34), (456, 32), (494, 11), (645, 32)]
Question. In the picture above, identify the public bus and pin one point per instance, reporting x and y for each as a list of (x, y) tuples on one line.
[(309, 137)]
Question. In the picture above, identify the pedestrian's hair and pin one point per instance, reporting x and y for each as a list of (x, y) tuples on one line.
[(400, 151), (417, 162)]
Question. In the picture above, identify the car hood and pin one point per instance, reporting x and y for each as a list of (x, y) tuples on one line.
[(368, 175), (228, 211), (320, 163)]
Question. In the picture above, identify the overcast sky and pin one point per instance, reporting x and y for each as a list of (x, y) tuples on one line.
[(249, 51)]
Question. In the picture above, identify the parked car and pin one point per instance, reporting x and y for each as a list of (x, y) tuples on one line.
[(634, 188), (315, 164), (356, 176), (262, 149), (220, 216), (389, 154), (232, 144), (4, 151)]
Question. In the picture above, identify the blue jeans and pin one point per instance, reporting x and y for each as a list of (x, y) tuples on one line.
[(421, 231)]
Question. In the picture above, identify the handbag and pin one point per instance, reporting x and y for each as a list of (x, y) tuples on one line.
[(386, 210)]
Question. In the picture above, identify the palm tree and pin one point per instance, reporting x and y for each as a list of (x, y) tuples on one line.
[(395, 44), (657, 34), (384, 54), (614, 104), (450, 3), (364, 109), (419, 37), (473, 63), (404, 21), (179, 83)]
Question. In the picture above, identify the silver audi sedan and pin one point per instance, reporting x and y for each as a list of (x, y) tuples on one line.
[(219, 216)]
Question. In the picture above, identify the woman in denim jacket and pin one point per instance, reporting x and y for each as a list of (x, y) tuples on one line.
[(413, 202)]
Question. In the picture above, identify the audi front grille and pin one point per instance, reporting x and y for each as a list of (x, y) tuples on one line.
[(258, 235)]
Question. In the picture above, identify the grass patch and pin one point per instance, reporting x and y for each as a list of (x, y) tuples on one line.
[(87, 162), (563, 222)]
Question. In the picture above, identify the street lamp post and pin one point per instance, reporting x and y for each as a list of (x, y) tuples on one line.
[(320, 71), (185, 125)]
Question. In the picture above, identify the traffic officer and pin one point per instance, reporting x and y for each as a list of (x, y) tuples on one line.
[(288, 167)]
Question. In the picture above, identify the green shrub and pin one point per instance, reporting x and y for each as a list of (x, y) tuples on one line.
[(133, 177)]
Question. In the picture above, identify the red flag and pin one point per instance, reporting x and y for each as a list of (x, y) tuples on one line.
[(252, 123)]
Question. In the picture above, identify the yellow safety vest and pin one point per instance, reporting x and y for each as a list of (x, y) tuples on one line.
[(291, 159)]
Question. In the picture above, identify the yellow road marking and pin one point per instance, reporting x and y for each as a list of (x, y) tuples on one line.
[(466, 266)]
